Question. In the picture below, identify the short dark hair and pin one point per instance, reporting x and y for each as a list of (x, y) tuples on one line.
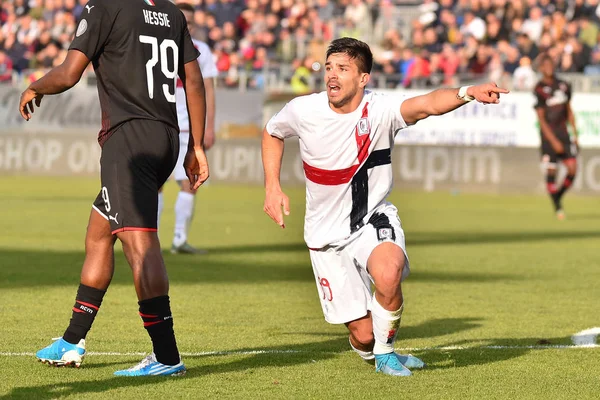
[(356, 50), (545, 57), (185, 7)]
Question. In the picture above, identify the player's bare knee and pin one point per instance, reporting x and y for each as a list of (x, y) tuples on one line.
[(390, 272)]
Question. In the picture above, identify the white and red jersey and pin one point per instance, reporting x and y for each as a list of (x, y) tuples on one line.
[(209, 70), (346, 157)]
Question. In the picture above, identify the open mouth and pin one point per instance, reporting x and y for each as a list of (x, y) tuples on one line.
[(333, 88)]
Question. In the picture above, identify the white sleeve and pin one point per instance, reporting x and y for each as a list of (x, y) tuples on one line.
[(284, 124), (206, 61), (393, 104)]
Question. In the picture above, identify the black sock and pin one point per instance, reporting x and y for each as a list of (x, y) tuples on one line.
[(553, 190), (567, 183), (158, 321), (86, 307)]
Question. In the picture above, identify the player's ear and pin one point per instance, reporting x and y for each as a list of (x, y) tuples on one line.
[(364, 79)]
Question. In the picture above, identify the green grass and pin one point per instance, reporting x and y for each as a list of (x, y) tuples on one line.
[(486, 270)]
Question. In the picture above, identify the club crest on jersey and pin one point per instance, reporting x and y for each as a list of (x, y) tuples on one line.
[(81, 28), (363, 127), (385, 233), (150, 2)]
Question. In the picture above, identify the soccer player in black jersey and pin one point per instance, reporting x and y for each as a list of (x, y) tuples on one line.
[(138, 49), (553, 107)]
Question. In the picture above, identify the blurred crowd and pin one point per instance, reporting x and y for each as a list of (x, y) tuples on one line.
[(498, 38), (428, 44)]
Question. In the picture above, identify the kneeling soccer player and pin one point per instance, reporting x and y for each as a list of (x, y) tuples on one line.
[(354, 235)]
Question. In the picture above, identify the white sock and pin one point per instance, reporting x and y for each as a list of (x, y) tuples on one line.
[(184, 209), (385, 327), (366, 355), (161, 205)]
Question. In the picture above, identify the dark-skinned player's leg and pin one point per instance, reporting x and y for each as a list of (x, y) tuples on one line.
[(142, 250), (96, 274), (99, 263), (143, 253), (551, 186), (571, 164)]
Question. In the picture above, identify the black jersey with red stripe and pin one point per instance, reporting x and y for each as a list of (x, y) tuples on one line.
[(554, 98), (138, 48)]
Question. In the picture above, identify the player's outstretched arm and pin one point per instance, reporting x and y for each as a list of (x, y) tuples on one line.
[(275, 199), (195, 163), (442, 101), (59, 79)]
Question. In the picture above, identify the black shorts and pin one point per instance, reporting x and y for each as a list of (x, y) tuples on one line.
[(550, 157), (136, 161)]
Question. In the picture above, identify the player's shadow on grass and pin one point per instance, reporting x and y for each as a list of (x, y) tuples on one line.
[(428, 329), (256, 358), (466, 353), (26, 268)]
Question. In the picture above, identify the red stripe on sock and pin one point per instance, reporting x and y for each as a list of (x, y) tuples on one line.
[(552, 188), (567, 183), (148, 316), (78, 310), (152, 323), (88, 305)]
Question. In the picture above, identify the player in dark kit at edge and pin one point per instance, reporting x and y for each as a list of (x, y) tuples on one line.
[(553, 107), (137, 48)]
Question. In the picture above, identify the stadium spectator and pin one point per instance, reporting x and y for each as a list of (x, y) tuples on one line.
[(526, 46), (236, 29), (419, 71), (534, 25), (473, 25), (524, 77), (6, 67), (301, 80), (588, 33)]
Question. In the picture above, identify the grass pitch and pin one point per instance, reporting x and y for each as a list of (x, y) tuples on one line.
[(496, 281)]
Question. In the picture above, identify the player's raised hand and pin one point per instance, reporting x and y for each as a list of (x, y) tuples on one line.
[(487, 93), (28, 97), (196, 167), (277, 204)]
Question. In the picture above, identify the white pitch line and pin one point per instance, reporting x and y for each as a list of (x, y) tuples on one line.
[(586, 337), (255, 352)]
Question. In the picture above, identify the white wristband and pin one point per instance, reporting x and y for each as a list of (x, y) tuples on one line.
[(462, 94)]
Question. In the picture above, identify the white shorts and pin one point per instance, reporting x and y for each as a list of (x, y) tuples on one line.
[(343, 283), (178, 171)]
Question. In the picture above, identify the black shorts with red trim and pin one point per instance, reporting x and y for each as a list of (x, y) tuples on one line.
[(549, 156), (136, 161)]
